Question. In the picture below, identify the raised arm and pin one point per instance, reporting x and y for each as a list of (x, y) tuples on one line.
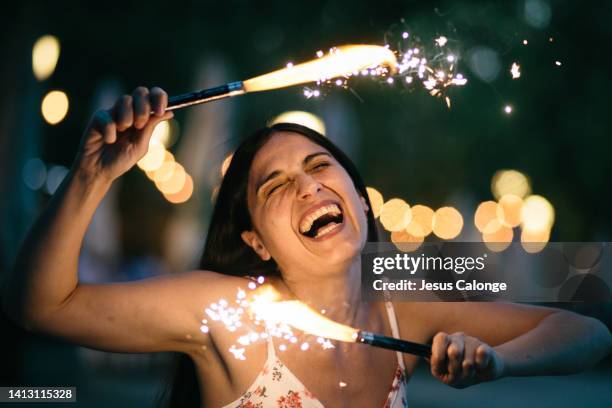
[(43, 292)]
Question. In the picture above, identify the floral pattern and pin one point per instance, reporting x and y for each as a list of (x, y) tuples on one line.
[(291, 400), (277, 387)]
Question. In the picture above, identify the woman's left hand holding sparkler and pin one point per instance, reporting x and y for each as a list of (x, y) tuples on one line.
[(460, 360)]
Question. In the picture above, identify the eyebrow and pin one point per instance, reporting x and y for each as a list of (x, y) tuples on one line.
[(276, 173)]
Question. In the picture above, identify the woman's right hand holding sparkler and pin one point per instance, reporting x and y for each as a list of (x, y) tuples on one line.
[(116, 138)]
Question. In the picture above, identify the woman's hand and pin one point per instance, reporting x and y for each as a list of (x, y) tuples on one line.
[(115, 139), (460, 360)]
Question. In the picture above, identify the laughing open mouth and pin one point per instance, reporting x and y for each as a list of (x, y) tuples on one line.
[(322, 221)]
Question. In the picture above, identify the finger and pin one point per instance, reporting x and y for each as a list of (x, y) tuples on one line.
[(469, 358), (483, 357), (142, 107), (455, 355), (159, 100), (124, 113), (104, 124), (438, 354)]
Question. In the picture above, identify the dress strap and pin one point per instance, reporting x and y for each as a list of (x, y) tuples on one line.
[(394, 330)]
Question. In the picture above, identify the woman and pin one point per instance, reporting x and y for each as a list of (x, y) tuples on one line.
[(268, 220)]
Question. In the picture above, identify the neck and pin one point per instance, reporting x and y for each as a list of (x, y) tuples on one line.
[(335, 295)]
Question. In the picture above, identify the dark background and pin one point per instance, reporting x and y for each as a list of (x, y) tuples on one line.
[(405, 142)]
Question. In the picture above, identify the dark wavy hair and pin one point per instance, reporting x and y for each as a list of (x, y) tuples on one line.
[(225, 252)]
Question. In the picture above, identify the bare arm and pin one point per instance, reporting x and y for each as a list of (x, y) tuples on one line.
[(43, 293), (474, 341)]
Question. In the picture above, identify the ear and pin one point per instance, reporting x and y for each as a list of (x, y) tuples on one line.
[(252, 239), (366, 208)]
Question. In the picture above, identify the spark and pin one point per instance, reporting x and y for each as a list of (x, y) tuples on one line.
[(234, 315), (237, 352), (525, 42), (289, 64), (327, 345), (515, 70), (558, 63), (441, 41), (551, 39), (342, 384), (432, 68), (508, 109)]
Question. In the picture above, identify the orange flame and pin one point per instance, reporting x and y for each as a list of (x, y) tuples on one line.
[(267, 306), (342, 61)]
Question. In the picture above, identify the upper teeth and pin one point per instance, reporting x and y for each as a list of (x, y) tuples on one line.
[(307, 223)]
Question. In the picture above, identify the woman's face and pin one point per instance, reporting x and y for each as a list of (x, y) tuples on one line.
[(305, 210)]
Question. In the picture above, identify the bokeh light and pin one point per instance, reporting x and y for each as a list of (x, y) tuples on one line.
[(421, 224), (537, 214), (395, 214), (54, 107), (447, 223), (45, 54), (174, 183), (307, 119), (485, 214), (534, 241), (510, 182), (376, 200), (484, 63), (55, 176), (34, 173), (164, 172), (165, 132), (509, 210), (154, 157), (406, 242), (496, 236), (183, 194)]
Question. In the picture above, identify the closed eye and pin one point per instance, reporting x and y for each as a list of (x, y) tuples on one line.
[(273, 189), (320, 165)]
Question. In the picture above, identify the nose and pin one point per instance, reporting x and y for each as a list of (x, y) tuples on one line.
[(308, 187)]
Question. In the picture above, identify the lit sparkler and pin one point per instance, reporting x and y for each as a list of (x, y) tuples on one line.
[(340, 62), (277, 317)]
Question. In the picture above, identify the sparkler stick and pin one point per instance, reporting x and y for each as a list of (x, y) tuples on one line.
[(391, 343), (340, 62)]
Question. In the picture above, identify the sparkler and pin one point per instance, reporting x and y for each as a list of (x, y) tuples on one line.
[(340, 62), (278, 317)]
